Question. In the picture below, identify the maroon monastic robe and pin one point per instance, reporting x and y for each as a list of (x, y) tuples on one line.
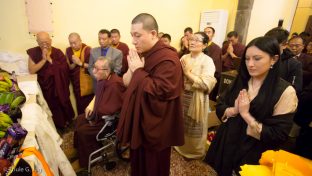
[(125, 52), (108, 101), (214, 51), (151, 118), (81, 101), (228, 62), (54, 82)]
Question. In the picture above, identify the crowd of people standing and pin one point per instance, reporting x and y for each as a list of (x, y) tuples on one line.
[(162, 94)]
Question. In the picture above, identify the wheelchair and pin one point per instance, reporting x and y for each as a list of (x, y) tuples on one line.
[(112, 149)]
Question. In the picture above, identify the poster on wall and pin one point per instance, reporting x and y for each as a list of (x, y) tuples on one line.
[(39, 14), (216, 19)]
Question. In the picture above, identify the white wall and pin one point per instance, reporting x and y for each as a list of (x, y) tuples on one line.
[(88, 17), (266, 14)]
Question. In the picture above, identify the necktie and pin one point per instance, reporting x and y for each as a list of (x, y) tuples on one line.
[(104, 51)]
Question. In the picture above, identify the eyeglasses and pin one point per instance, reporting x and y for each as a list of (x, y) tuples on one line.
[(294, 45), (195, 40), (97, 69)]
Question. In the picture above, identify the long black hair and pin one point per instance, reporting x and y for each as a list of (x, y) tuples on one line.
[(270, 46)]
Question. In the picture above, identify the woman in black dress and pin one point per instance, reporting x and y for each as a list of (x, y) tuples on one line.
[(256, 110)]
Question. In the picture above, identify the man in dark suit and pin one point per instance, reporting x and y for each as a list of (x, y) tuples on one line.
[(105, 50), (296, 45)]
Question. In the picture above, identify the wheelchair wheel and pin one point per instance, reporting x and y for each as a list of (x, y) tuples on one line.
[(123, 152)]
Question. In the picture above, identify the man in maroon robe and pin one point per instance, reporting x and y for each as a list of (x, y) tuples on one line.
[(215, 52), (232, 51), (78, 56), (116, 43), (108, 101), (151, 118), (50, 65)]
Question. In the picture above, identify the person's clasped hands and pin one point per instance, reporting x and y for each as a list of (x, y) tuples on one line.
[(134, 60)]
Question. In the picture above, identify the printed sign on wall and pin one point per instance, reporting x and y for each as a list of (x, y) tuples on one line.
[(39, 13)]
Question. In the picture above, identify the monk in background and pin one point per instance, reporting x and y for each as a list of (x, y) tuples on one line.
[(123, 47), (151, 118), (78, 57), (50, 65), (232, 51)]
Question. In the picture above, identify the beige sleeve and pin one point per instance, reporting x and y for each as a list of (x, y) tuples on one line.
[(91, 104), (286, 104), (205, 79)]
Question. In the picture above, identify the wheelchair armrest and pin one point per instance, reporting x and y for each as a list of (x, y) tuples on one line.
[(108, 122), (108, 117)]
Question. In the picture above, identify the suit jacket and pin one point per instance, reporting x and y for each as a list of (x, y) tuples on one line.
[(291, 70), (114, 54)]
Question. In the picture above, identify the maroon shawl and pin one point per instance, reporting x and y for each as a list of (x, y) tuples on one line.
[(152, 111), (54, 82)]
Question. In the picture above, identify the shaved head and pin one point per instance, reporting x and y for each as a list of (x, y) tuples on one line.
[(74, 35), (42, 35), (44, 40), (75, 41), (148, 21)]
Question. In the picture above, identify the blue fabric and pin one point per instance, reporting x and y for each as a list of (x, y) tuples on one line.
[(104, 51)]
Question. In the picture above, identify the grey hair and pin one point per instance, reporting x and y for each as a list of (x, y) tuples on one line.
[(74, 34), (107, 61)]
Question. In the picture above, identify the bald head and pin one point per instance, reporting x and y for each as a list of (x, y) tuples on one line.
[(44, 41), (148, 21), (75, 41), (74, 35)]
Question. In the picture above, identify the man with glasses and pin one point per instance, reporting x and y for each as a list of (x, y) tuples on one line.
[(290, 68), (50, 65), (296, 45), (107, 101), (105, 50)]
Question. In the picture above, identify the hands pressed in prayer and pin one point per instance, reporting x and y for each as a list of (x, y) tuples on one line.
[(134, 60), (76, 60), (243, 103), (186, 66), (231, 111), (230, 48), (45, 55), (235, 109)]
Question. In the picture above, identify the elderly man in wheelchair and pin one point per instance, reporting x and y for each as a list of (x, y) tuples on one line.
[(95, 129)]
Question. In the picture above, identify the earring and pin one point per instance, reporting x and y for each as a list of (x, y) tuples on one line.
[(271, 66)]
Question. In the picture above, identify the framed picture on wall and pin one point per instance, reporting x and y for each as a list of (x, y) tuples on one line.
[(39, 14)]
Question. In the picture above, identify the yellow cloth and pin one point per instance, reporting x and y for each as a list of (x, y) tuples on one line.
[(77, 53), (33, 151), (279, 163), (91, 104), (209, 43)]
